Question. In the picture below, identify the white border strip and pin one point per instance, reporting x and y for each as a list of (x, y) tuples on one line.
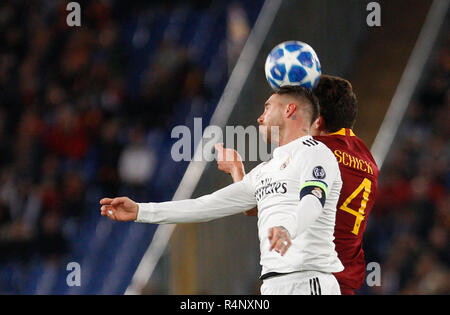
[(219, 118), (409, 80)]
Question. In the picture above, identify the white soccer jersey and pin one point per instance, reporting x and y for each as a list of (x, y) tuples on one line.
[(274, 186)]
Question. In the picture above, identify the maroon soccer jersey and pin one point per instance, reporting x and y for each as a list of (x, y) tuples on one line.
[(359, 174)]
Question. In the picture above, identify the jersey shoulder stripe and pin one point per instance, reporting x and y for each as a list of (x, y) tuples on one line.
[(310, 142)]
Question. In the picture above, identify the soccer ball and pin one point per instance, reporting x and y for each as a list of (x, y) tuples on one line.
[(292, 63)]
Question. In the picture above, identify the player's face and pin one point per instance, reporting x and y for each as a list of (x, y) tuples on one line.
[(271, 119)]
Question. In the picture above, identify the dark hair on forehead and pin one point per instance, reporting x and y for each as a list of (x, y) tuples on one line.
[(338, 103), (305, 94)]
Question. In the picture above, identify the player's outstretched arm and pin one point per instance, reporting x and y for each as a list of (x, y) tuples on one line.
[(227, 201), (119, 209), (230, 162)]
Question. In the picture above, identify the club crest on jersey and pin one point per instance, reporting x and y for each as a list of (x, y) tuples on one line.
[(317, 192), (318, 172), (283, 166)]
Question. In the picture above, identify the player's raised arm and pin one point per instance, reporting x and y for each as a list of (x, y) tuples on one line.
[(230, 162), (230, 200)]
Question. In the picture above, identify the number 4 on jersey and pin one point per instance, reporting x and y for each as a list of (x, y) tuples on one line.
[(366, 185)]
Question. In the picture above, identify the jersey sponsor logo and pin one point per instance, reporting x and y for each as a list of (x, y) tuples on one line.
[(318, 172), (270, 187)]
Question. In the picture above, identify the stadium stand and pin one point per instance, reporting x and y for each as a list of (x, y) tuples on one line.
[(79, 106), (408, 233)]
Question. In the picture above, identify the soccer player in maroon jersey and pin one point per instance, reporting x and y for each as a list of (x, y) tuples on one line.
[(359, 173)]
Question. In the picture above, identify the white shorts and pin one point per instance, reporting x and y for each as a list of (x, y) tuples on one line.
[(301, 283)]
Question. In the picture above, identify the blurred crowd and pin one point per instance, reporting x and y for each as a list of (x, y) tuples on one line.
[(69, 120), (408, 231), (77, 110)]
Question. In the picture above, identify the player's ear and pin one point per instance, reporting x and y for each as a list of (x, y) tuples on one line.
[(290, 109), (319, 123), (317, 126)]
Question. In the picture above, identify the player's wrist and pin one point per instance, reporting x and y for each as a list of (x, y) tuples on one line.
[(135, 211), (288, 226), (284, 230), (237, 172)]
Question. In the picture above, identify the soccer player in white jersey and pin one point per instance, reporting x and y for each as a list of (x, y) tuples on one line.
[(296, 193)]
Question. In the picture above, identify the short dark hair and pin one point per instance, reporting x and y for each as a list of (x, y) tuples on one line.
[(305, 94), (337, 102)]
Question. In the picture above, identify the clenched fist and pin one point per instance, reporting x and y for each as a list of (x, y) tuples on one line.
[(280, 239)]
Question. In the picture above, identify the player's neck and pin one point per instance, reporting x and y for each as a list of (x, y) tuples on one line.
[(324, 133), (286, 137)]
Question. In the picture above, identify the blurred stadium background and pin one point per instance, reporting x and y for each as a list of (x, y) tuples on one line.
[(87, 112)]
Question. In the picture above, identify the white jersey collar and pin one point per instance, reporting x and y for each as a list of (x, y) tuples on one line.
[(290, 146)]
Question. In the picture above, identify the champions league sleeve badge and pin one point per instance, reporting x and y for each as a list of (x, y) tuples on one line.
[(318, 172)]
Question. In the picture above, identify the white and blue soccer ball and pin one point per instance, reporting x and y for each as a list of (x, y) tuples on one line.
[(293, 63)]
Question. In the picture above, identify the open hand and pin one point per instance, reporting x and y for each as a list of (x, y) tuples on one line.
[(119, 209)]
